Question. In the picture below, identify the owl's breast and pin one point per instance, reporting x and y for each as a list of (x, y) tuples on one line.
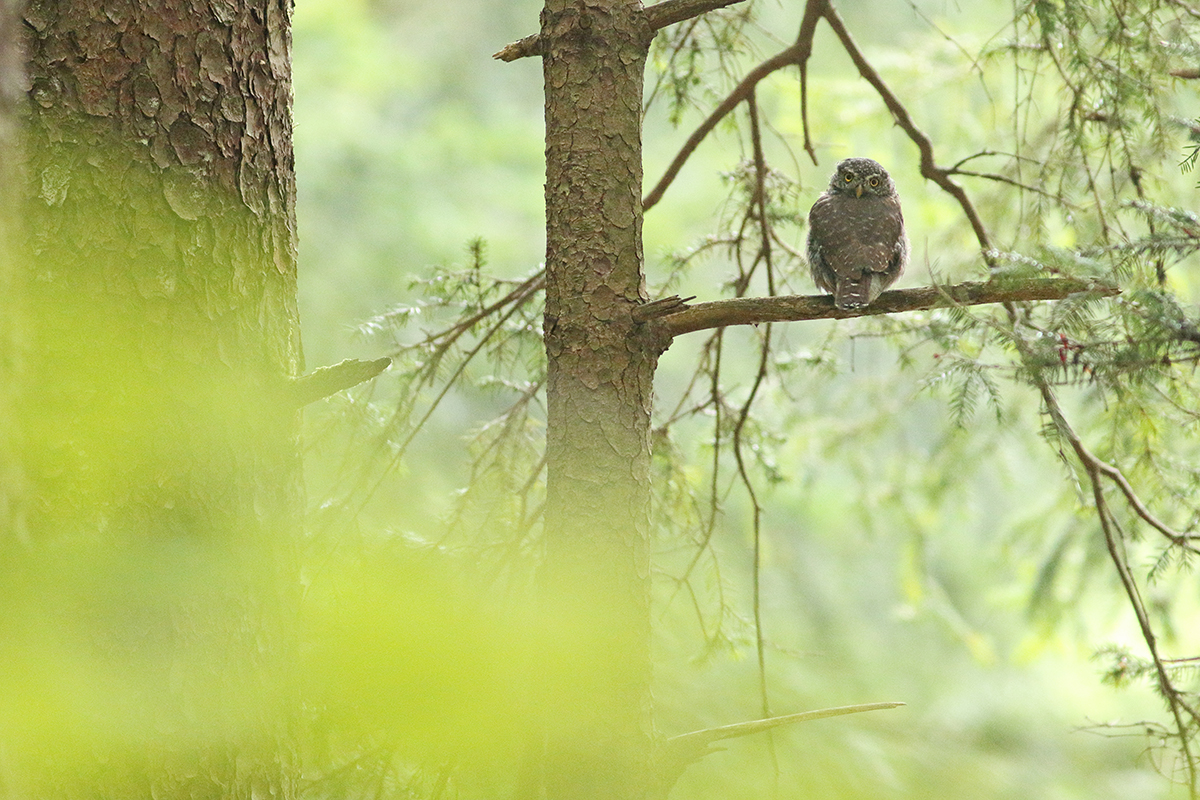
[(857, 234)]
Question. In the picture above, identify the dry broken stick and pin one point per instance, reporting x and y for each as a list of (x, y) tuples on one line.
[(677, 752), (660, 308), (328, 381)]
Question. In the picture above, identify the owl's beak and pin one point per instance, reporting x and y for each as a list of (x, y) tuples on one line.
[(858, 190)]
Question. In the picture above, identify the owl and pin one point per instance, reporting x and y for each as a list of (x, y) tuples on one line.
[(856, 242)]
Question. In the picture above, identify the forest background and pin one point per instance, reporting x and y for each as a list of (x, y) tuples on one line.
[(983, 513), (921, 540)]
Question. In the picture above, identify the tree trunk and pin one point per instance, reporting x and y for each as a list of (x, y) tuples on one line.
[(163, 470), (12, 81), (601, 369)]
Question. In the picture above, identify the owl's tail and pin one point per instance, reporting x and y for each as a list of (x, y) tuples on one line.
[(857, 292)]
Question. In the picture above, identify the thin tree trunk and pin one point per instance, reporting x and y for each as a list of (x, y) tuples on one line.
[(601, 369), (163, 469)]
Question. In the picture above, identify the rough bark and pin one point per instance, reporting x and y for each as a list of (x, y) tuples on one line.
[(164, 475), (601, 368), (658, 16)]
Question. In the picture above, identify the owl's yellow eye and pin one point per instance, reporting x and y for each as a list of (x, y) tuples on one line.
[(849, 178), (874, 181)]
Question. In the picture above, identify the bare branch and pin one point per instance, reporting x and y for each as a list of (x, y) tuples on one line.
[(659, 16), (764, 363), (669, 12), (1135, 502), (992, 176), (799, 53), (784, 58), (813, 12), (756, 310), (1097, 466)]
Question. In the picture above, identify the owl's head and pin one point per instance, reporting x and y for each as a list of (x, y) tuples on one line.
[(861, 176)]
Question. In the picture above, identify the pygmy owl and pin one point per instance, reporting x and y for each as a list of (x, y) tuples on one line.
[(856, 242)]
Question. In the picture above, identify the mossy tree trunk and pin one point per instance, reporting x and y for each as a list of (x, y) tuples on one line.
[(162, 468), (12, 494)]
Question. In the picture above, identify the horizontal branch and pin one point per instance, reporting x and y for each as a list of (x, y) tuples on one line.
[(659, 16), (756, 310), (784, 58)]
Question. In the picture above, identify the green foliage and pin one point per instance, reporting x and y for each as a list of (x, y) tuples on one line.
[(476, 338), (691, 61)]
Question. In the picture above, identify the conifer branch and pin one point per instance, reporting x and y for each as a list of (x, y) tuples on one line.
[(793, 308)]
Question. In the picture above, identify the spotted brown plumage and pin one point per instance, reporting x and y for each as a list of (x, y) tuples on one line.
[(856, 241)]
